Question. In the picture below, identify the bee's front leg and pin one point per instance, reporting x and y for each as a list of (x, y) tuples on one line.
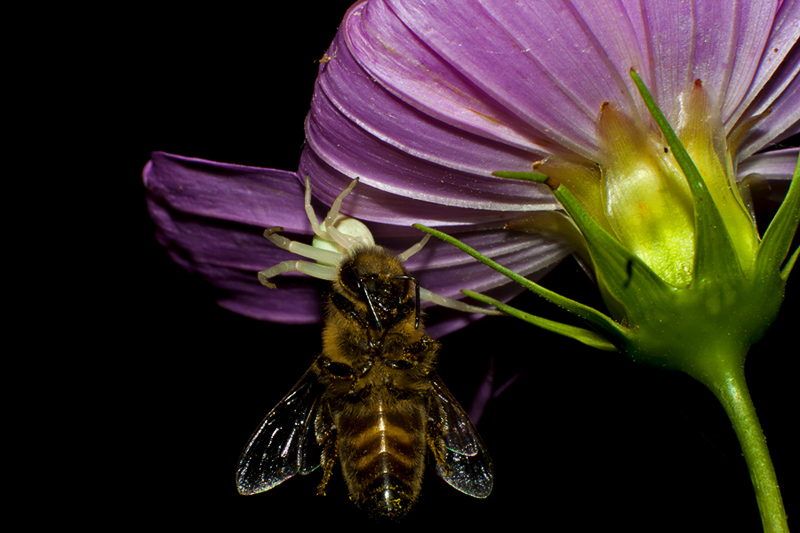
[(422, 351)]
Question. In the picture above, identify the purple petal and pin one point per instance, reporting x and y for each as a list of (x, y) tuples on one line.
[(210, 216), (729, 51), (444, 269), (778, 63), (408, 68), (423, 100), (398, 206), (254, 196), (768, 175), (540, 62), (719, 43), (401, 151), (781, 95), (774, 166)]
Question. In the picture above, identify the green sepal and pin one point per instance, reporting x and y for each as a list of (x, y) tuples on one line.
[(536, 177), (585, 336), (714, 250), (591, 316), (778, 238), (787, 269)]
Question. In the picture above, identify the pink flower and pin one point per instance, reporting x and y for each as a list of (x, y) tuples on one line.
[(423, 101)]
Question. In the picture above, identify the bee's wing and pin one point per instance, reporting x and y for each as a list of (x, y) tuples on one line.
[(467, 466), (285, 443)]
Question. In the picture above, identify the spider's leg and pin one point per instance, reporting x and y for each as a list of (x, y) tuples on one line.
[(312, 216), (337, 204), (312, 269), (317, 254), (403, 257)]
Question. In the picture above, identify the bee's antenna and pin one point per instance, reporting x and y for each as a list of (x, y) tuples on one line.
[(416, 295), (363, 289)]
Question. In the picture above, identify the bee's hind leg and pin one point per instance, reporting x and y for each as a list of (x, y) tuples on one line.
[(330, 452)]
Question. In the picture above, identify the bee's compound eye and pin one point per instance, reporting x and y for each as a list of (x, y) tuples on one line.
[(401, 364), (340, 370), (350, 278)]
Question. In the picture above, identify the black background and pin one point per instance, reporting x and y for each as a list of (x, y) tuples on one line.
[(172, 386)]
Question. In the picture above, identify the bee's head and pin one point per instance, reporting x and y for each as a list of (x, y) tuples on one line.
[(378, 281)]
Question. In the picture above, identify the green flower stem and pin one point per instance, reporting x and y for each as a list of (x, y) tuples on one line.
[(730, 389)]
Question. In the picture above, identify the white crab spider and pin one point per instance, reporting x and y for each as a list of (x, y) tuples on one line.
[(334, 239)]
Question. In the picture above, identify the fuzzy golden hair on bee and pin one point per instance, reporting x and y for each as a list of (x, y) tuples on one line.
[(377, 284)]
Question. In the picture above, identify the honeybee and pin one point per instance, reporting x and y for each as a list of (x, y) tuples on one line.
[(372, 400)]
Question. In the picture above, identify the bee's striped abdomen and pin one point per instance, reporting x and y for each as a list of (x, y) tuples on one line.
[(382, 452)]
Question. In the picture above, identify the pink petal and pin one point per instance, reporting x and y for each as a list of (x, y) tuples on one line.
[(777, 165), (540, 62), (210, 216), (779, 62), (394, 147)]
